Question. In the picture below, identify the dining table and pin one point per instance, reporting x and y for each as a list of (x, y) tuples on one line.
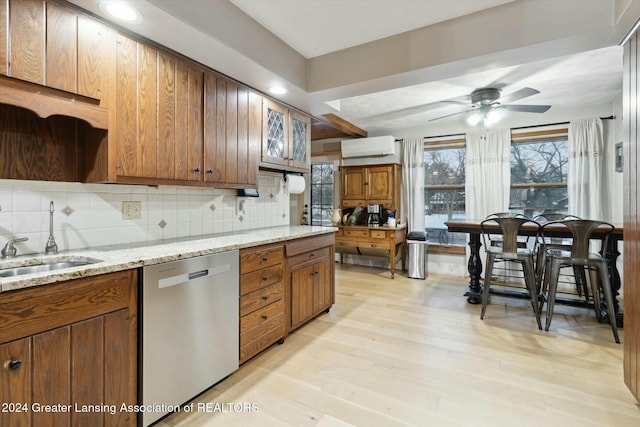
[(608, 250)]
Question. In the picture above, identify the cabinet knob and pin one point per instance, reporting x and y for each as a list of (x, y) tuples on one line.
[(265, 317), (197, 169), (312, 254), (209, 170), (265, 259), (265, 297), (12, 364), (264, 278)]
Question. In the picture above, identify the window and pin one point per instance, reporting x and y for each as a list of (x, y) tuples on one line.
[(444, 189), (321, 193), (539, 167)]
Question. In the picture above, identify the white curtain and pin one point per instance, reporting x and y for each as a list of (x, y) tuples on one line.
[(413, 183), (488, 178), (586, 168)]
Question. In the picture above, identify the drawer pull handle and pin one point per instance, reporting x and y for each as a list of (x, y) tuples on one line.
[(265, 317), (264, 278), (12, 364), (265, 259), (312, 254), (265, 297), (373, 245)]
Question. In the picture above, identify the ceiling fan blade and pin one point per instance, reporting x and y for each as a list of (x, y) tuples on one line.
[(517, 95), (526, 108), (452, 114), (452, 101)]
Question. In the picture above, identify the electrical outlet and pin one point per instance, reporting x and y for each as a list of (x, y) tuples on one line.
[(131, 210)]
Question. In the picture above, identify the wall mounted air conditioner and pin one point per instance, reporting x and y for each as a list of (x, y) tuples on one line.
[(368, 147)]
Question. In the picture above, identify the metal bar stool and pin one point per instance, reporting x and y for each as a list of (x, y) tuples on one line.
[(510, 250), (579, 256), (582, 287)]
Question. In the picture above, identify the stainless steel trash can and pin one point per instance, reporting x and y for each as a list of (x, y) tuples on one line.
[(417, 248)]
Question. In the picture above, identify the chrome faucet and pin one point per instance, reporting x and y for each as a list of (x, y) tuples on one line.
[(9, 251), (52, 247)]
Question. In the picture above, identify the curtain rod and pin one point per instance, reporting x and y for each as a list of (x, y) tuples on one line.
[(521, 127), (559, 123)]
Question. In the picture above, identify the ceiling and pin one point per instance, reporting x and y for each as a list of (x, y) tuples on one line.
[(314, 27), (317, 29)]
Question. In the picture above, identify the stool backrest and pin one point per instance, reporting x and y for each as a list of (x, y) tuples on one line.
[(510, 225), (581, 233)]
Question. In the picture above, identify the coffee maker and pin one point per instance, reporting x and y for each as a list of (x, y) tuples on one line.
[(375, 215)]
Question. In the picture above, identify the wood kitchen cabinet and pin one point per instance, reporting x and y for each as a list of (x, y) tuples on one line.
[(262, 299), (50, 44), (68, 345), (363, 185), (286, 138), (311, 278), (233, 124), (158, 109)]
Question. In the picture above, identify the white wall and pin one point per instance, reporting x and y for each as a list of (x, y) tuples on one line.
[(90, 215)]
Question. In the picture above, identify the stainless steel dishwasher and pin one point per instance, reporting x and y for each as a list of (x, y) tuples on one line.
[(189, 329)]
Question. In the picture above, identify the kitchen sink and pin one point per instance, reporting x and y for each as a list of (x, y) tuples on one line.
[(46, 265)]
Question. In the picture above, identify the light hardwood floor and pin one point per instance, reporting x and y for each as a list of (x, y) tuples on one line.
[(413, 352)]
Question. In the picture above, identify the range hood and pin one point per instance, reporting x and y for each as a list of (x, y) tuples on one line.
[(46, 102), (368, 147)]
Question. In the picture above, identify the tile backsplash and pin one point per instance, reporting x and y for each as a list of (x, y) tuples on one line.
[(89, 215)]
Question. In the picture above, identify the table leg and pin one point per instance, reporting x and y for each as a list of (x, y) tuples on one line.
[(392, 260), (474, 291)]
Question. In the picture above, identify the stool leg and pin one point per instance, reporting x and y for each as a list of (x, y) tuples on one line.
[(530, 281), (608, 297), (554, 274), (487, 284)]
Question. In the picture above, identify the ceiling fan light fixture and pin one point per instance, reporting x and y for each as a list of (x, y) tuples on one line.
[(492, 117), (475, 118)]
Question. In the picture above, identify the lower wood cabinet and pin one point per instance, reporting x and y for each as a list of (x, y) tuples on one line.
[(310, 277), (282, 286), (68, 353), (262, 303)]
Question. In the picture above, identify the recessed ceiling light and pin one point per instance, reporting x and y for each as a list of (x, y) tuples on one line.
[(121, 10), (277, 90)]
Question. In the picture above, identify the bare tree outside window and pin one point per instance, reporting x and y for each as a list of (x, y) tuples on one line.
[(321, 193), (539, 176), (444, 192)]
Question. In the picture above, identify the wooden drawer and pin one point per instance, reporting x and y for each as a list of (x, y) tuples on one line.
[(255, 280), (272, 332), (308, 256), (356, 233), (378, 234), (382, 244), (295, 247), (261, 316), (346, 242), (253, 334), (260, 298), (265, 256), (63, 303)]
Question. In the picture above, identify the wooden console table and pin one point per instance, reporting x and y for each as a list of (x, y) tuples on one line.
[(390, 240)]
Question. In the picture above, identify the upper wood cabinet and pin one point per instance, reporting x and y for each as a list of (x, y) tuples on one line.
[(158, 109), (50, 44), (233, 122), (286, 138), (363, 185)]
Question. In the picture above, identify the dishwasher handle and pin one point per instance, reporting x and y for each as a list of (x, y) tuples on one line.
[(198, 274)]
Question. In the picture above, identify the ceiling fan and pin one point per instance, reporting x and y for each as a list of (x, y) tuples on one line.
[(488, 104)]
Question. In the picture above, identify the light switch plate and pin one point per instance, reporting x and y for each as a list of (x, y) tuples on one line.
[(131, 210)]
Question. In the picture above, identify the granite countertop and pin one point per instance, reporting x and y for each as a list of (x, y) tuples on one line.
[(124, 257)]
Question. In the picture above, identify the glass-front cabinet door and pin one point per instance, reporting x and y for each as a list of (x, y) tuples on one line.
[(275, 135), (300, 140)]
